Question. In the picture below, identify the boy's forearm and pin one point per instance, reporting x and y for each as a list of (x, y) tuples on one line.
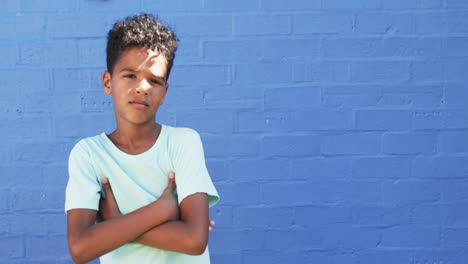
[(176, 236), (99, 239)]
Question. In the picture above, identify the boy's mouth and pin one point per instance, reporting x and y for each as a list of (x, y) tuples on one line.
[(138, 103)]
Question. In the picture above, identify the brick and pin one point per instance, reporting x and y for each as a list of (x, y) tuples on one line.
[(440, 167), (21, 175), (380, 71), (9, 56), (218, 169), (96, 101), (426, 71), (455, 237), (328, 257), (399, 4), (14, 80), (26, 198), (440, 119), (278, 146), (268, 256), (291, 49), (227, 6), (41, 225), (25, 127), (202, 25), (455, 95), (283, 5), (321, 120), (10, 6), (409, 143), (369, 215), (50, 53), (49, 246), (297, 194), (381, 168), (223, 240), (232, 98), (343, 236), (92, 52), (42, 151), (453, 190), (452, 142), (231, 193), (260, 169), (225, 146), (67, 101), (261, 25), (227, 258), (128, 6), (384, 119), (220, 121), (411, 47), (321, 168), (410, 192), (440, 214), (189, 51), (346, 47), (431, 22), (390, 255), (78, 26), (263, 73), (4, 194), (11, 247), (352, 143), (411, 236), (447, 255), (77, 79), (385, 23), (54, 6), (232, 51), (455, 47), (323, 22), (173, 6), (360, 4), (264, 121), (295, 239), (303, 97), (456, 4), (263, 217), (223, 216), (323, 71), (83, 125), (23, 28), (56, 175), (189, 75), (455, 70), (360, 191), (319, 216)]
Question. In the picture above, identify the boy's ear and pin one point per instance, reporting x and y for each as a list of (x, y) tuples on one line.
[(106, 82)]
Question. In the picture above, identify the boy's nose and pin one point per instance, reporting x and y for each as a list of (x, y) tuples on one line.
[(143, 87)]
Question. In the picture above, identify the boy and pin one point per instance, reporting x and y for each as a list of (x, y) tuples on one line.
[(141, 220)]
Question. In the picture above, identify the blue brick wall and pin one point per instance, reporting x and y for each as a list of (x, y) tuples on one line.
[(335, 131)]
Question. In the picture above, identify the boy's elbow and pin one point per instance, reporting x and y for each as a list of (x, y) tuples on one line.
[(76, 252), (197, 245)]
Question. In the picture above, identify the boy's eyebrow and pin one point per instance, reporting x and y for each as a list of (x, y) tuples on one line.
[(155, 76)]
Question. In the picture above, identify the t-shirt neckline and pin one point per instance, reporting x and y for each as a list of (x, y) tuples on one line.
[(123, 153)]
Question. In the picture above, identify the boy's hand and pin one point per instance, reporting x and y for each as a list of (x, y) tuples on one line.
[(108, 207), (169, 198)]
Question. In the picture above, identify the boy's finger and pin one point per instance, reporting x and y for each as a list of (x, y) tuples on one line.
[(106, 186), (171, 183)]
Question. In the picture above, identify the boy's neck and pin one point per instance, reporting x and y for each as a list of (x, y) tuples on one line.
[(135, 139)]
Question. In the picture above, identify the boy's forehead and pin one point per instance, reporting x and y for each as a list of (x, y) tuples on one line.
[(141, 56)]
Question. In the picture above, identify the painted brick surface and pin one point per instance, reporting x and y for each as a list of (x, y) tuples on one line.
[(335, 131)]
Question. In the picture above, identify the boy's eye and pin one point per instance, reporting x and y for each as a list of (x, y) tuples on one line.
[(156, 82), (131, 76)]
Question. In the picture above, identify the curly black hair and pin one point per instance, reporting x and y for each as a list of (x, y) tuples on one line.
[(143, 30)]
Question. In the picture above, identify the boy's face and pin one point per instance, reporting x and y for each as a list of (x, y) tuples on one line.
[(137, 84)]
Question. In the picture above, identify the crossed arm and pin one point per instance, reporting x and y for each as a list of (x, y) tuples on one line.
[(160, 224)]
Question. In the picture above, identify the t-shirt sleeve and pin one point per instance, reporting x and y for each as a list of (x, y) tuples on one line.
[(83, 188), (188, 161)]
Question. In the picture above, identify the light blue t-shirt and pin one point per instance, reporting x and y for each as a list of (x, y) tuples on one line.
[(138, 180)]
